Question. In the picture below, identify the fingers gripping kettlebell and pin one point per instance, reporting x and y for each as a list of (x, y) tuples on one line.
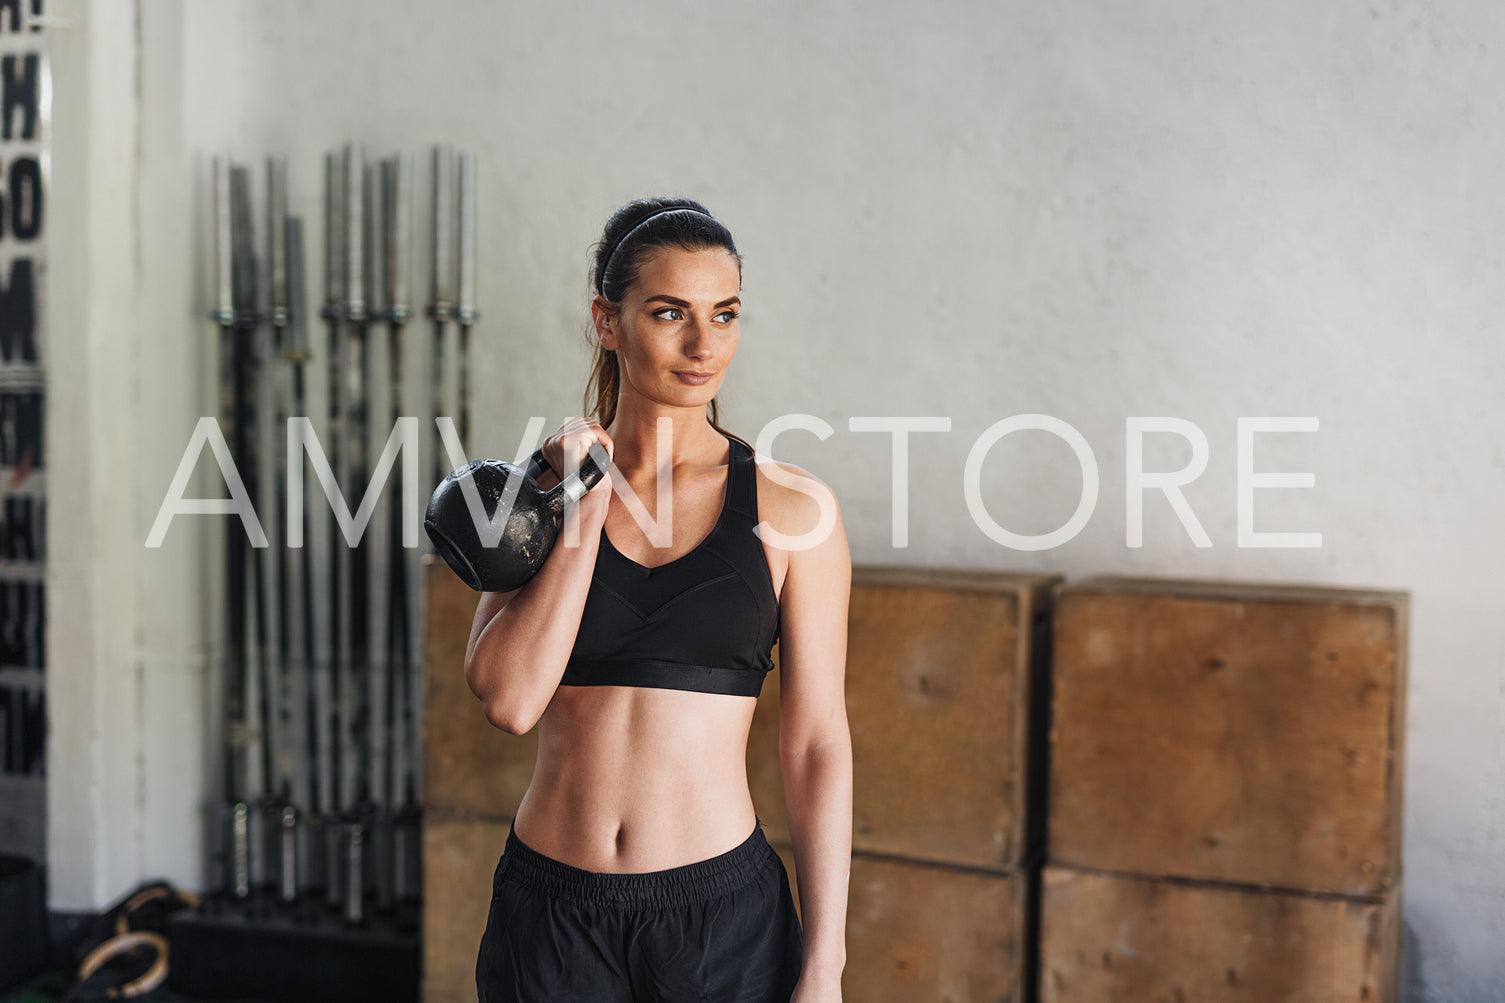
[(494, 526)]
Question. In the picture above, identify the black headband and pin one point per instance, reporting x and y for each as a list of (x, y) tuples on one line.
[(606, 261)]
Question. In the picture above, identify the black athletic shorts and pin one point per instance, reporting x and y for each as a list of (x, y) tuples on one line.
[(722, 930)]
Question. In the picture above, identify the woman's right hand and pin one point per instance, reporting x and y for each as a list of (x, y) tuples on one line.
[(566, 449)]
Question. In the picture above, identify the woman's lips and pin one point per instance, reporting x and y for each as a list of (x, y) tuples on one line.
[(693, 378)]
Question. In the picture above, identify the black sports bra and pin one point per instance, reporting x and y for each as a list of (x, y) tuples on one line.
[(705, 621)]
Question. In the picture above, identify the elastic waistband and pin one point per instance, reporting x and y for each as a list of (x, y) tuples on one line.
[(691, 883)]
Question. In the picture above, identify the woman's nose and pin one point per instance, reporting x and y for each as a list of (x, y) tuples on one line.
[(697, 340)]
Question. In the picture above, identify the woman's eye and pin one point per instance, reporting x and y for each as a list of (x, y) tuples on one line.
[(664, 313), (726, 316)]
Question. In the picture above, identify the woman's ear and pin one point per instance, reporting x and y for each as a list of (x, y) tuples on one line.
[(603, 315)]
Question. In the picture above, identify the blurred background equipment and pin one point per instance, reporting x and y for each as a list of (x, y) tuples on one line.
[(317, 849)]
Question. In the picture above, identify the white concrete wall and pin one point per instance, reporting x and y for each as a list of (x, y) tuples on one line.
[(1090, 210), (97, 820)]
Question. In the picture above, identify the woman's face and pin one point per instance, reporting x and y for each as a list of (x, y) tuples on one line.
[(676, 330)]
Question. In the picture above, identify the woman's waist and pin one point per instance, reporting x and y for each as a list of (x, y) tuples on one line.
[(634, 825), (667, 881)]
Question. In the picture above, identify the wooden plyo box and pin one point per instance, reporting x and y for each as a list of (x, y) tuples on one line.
[(459, 858), (944, 677), (1226, 731), (1113, 937), (925, 932)]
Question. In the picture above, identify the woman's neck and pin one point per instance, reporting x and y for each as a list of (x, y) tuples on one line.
[(687, 436)]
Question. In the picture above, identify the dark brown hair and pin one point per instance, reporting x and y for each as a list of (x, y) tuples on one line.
[(633, 233)]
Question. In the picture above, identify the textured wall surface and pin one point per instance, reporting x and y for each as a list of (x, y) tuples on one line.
[(1089, 210)]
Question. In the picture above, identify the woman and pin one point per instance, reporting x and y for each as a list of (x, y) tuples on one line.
[(636, 868)]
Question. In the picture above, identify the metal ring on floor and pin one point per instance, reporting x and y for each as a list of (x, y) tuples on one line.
[(115, 946)]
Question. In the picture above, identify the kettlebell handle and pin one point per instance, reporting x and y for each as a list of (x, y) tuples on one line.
[(574, 487)]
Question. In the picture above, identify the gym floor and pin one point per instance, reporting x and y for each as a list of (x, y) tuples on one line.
[(54, 986)]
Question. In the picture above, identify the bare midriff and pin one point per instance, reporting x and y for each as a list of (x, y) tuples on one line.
[(631, 779)]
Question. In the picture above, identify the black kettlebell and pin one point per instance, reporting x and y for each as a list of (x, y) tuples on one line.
[(512, 551)]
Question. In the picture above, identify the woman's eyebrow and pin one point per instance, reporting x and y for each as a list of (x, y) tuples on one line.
[(676, 301)]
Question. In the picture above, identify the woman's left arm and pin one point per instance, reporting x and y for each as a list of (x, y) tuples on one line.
[(815, 744)]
